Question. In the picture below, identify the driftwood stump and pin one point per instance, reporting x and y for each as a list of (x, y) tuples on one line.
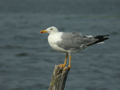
[(58, 78)]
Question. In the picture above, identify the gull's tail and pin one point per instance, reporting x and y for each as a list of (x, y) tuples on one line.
[(100, 39)]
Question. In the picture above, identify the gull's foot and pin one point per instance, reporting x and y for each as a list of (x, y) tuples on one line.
[(69, 67), (66, 68), (62, 65)]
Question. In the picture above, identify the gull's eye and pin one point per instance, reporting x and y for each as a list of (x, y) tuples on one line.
[(51, 28)]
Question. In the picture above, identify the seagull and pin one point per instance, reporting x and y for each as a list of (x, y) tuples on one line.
[(70, 42)]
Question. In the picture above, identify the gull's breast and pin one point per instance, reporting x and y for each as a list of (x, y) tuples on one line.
[(53, 39)]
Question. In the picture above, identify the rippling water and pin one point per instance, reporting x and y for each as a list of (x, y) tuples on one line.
[(27, 61)]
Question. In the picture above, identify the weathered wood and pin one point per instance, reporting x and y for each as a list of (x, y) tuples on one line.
[(58, 78)]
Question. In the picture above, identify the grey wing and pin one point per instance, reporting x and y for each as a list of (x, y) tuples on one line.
[(75, 41)]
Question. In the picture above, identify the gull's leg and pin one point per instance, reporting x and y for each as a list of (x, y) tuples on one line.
[(65, 62), (69, 65)]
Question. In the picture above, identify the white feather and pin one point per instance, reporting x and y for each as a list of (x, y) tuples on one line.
[(53, 38), (100, 43)]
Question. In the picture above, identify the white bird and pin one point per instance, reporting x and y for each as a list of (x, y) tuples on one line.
[(68, 42)]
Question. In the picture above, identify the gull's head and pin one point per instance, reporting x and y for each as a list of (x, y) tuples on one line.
[(50, 30)]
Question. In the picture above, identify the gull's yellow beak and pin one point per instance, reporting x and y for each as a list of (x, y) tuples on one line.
[(43, 31)]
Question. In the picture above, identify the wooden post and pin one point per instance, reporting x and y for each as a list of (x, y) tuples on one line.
[(58, 78)]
